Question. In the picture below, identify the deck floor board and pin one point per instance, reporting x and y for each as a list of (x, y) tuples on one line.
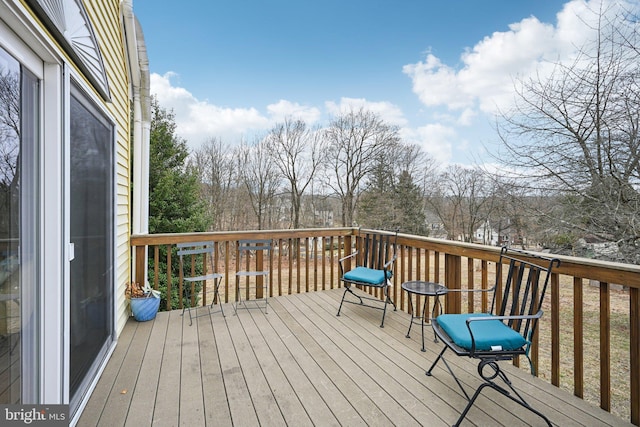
[(300, 365)]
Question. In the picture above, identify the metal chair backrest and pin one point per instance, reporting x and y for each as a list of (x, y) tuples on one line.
[(377, 250), (194, 249), (524, 289), (261, 248)]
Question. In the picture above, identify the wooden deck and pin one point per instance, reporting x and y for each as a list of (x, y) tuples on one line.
[(302, 365)]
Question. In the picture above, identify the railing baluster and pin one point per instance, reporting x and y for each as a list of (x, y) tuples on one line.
[(605, 347), (470, 284), (485, 285), (169, 307), (156, 266), (323, 264), (279, 266), (578, 338), (347, 248), (306, 264), (634, 319), (315, 253), (555, 330), (227, 263)]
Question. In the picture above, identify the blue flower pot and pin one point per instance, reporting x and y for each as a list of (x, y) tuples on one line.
[(144, 309)]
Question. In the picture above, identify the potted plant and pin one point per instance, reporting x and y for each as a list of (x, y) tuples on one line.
[(143, 300)]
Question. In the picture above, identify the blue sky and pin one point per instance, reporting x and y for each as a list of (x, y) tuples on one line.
[(437, 69)]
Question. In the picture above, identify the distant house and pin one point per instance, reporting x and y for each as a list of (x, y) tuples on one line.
[(73, 73), (323, 218), (492, 234), (434, 225)]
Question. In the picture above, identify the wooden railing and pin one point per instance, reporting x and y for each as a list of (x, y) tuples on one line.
[(591, 326)]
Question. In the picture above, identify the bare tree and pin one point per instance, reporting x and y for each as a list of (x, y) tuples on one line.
[(259, 175), (355, 140), (462, 199), (575, 134), (215, 165), (9, 125), (9, 145), (297, 151)]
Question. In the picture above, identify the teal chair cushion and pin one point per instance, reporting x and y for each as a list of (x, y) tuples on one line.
[(366, 275), (488, 334)]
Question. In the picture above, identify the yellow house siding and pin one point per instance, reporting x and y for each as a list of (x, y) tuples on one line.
[(106, 19)]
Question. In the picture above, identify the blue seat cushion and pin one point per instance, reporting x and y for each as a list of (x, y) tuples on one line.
[(486, 333), (366, 275)]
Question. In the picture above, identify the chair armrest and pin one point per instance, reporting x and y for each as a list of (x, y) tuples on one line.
[(351, 255), (391, 261), (514, 317)]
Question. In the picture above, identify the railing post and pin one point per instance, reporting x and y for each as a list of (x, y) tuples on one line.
[(140, 267), (453, 280)]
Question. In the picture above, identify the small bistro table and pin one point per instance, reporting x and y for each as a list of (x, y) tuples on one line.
[(426, 289)]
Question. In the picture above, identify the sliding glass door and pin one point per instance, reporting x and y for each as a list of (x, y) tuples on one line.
[(92, 235)]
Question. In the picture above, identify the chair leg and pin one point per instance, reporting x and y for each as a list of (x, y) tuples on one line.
[(386, 290), (347, 289), (188, 310), (387, 300), (216, 296), (470, 403), (498, 373), (235, 305), (441, 357), (184, 307), (433, 365), (384, 312)]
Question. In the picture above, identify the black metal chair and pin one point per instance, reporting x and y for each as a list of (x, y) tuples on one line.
[(374, 268), (504, 333), (260, 250), (198, 252)]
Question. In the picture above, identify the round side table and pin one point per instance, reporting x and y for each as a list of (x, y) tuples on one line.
[(426, 289)]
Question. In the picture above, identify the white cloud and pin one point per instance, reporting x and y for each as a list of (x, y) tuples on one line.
[(196, 120), (436, 140), (283, 109), (436, 84), (485, 80), (389, 112)]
